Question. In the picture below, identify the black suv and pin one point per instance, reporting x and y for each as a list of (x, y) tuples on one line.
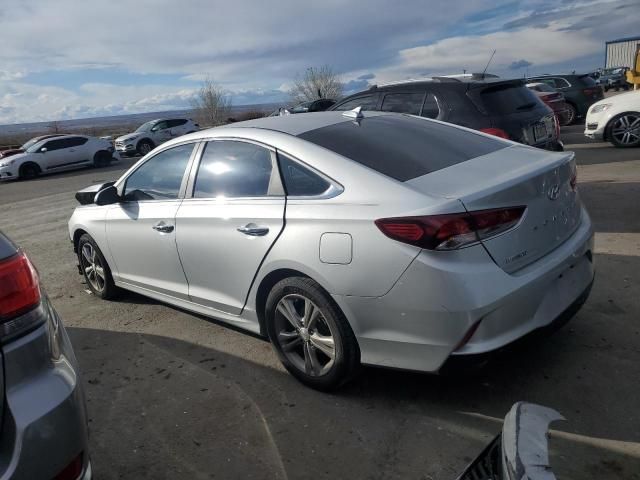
[(580, 92), (505, 108)]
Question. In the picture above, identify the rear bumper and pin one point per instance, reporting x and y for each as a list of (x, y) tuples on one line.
[(425, 317), (44, 428)]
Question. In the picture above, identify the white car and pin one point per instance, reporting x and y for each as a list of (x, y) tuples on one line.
[(151, 134), (616, 120), (64, 152)]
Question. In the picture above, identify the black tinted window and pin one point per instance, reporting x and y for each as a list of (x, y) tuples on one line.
[(402, 147), (431, 108), (77, 141), (176, 123), (367, 102), (58, 144), (300, 181), (505, 98), (160, 177), (403, 102), (233, 169), (587, 81)]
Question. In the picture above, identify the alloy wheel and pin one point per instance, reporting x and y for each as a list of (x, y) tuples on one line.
[(626, 129), (145, 148), (304, 335), (93, 269)]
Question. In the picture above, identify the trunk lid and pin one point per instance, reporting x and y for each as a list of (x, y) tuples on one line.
[(515, 176)]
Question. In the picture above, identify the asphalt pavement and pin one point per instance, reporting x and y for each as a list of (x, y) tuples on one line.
[(176, 395)]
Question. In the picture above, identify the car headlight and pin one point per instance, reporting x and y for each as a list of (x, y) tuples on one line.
[(7, 163), (600, 108)]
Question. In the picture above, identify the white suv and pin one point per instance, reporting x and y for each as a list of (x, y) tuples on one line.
[(151, 134), (62, 152)]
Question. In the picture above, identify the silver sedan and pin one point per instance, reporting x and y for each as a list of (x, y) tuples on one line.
[(347, 238)]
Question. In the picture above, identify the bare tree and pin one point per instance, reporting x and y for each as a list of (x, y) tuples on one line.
[(211, 104), (54, 127), (317, 82)]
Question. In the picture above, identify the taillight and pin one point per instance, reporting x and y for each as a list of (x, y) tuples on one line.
[(498, 132), (591, 91), (19, 286), (450, 231)]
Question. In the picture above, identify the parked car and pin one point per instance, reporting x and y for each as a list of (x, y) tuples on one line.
[(44, 427), (580, 92), (64, 152), (552, 99), (405, 241), (14, 151), (151, 134), (616, 120), (505, 108), (615, 78), (319, 105)]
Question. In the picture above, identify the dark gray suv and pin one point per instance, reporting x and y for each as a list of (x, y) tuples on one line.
[(44, 428), (505, 108)]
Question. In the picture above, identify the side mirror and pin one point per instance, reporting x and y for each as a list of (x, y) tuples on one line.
[(43, 150), (107, 196)]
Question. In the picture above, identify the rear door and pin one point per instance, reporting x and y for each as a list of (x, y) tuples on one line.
[(58, 153), (234, 215), (141, 229)]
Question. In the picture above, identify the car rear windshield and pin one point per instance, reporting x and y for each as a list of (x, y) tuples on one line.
[(586, 81), (401, 146), (504, 98)]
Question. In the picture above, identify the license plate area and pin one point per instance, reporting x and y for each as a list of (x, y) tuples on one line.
[(540, 132)]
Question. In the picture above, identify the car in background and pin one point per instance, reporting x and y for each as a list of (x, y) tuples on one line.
[(323, 230), (319, 105), (60, 153), (505, 108), (44, 429), (14, 151), (580, 92), (552, 99), (615, 119), (151, 134), (614, 78)]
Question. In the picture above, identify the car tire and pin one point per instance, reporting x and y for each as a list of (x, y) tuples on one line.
[(619, 133), (144, 147), (29, 170), (102, 159), (571, 114), (321, 350), (95, 268)]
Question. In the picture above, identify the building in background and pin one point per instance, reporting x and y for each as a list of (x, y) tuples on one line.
[(621, 52)]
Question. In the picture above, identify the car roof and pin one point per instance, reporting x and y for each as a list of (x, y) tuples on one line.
[(301, 123)]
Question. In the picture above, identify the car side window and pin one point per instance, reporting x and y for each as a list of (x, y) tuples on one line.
[(160, 126), (57, 144), (560, 83), (299, 181), (160, 177), (431, 107), (176, 123), (403, 102), (235, 169), (77, 141), (367, 102)]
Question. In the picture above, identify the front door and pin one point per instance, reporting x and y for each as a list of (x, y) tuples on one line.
[(234, 216), (141, 230)]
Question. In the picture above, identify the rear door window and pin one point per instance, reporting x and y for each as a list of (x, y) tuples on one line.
[(58, 144), (235, 169), (367, 102), (77, 141), (402, 147), (431, 107), (410, 103)]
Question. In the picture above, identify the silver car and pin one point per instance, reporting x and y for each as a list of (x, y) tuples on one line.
[(347, 238), (44, 425)]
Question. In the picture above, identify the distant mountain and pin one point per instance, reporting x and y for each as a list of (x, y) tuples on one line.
[(68, 126)]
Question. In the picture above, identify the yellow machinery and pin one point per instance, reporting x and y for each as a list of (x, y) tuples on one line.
[(633, 75)]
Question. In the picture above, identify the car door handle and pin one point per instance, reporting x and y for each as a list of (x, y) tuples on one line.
[(253, 230), (163, 227)]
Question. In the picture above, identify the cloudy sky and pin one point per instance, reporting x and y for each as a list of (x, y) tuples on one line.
[(81, 58)]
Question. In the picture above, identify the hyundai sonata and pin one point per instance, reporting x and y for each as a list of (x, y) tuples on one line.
[(347, 238)]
